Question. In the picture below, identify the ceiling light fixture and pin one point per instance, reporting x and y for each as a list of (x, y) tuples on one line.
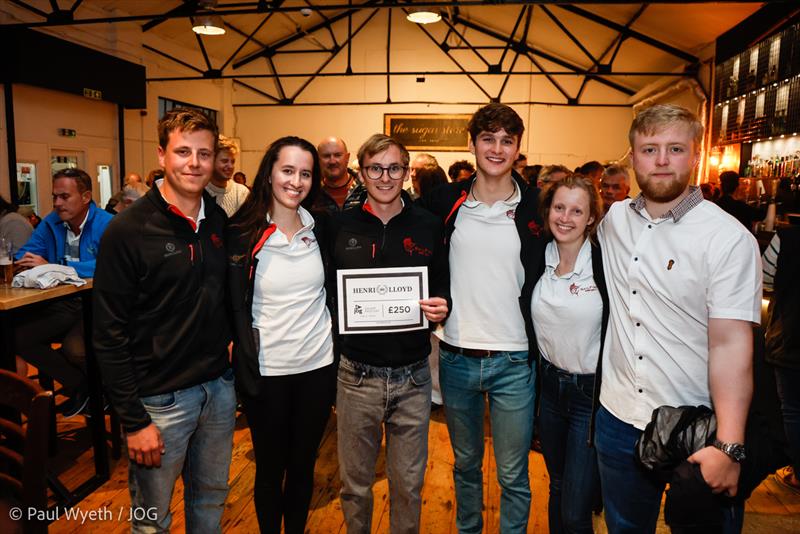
[(208, 23), (423, 15)]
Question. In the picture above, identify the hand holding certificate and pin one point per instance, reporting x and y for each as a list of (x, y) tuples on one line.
[(385, 300)]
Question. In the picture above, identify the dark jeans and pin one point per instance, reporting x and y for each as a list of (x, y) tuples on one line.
[(54, 322), (287, 420), (566, 411), (631, 499), (788, 381)]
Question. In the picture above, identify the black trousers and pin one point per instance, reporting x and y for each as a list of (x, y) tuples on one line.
[(54, 322), (287, 419)]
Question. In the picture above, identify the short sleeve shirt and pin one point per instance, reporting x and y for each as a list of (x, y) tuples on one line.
[(486, 278), (567, 313), (666, 278)]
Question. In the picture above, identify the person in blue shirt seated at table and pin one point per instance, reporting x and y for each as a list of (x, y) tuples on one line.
[(69, 235)]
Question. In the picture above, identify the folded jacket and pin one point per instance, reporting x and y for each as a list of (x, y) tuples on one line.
[(46, 276)]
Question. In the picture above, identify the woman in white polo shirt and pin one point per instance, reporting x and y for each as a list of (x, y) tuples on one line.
[(569, 310), (283, 345)]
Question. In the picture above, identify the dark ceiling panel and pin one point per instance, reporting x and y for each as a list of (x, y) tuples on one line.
[(37, 59)]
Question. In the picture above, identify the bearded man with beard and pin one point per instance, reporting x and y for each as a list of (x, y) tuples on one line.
[(684, 285)]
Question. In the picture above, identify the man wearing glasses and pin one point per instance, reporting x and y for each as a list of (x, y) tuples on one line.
[(384, 378)]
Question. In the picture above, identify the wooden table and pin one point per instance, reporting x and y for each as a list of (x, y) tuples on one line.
[(12, 299)]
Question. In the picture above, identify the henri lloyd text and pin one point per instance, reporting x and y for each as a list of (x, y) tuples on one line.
[(381, 300)]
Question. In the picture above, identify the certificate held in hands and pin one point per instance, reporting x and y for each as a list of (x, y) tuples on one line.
[(374, 301)]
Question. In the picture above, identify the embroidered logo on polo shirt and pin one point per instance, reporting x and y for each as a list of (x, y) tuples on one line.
[(535, 229), (216, 241), (308, 241), (171, 250), (510, 214), (411, 247), (575, 289)]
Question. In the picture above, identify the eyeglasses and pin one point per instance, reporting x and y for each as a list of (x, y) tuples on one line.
[(396, 172)]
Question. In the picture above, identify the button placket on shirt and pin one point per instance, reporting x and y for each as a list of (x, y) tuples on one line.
[(636, 280)]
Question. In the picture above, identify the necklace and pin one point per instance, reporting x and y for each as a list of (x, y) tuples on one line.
[(472, 192)]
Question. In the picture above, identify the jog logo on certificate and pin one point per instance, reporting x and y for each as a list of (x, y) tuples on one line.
[(373, 301)]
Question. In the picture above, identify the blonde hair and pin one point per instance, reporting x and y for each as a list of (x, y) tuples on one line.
[(226, 144), (378, 143), (655, 118)]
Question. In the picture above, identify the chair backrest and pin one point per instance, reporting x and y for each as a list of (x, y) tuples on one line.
[(23, 449)]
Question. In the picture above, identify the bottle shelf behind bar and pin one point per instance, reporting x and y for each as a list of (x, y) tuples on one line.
[(757, 93)]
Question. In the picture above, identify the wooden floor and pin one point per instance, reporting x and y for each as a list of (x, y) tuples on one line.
[(772, 508)]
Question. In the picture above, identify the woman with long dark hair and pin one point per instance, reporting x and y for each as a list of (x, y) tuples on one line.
[(283, 344), (569, 309)]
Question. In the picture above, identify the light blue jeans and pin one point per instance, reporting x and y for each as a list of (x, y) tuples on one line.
[(196, 425), (510, 384)]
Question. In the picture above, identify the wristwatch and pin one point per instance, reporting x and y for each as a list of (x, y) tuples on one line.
[(734, 450)]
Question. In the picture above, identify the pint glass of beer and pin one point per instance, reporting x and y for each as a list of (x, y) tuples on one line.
[(6, 262)]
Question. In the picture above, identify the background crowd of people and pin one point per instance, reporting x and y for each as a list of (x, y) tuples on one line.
[(576, 310)]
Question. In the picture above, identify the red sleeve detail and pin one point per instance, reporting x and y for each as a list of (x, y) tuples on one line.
[(263, 239), (455, 207)]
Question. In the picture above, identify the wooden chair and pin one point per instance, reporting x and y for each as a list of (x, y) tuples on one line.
[(23, 449), (115, 432)]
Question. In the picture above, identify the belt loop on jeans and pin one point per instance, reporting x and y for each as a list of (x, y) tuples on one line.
[(548, 367), (470, 353)]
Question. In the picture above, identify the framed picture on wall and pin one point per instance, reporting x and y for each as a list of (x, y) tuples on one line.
[(437, 132), (26, 186)]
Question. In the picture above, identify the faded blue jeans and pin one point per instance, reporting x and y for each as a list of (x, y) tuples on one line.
[(370, 400), (196, 425), (510, 384)]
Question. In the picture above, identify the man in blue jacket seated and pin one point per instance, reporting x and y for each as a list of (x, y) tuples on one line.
[(69, 235)]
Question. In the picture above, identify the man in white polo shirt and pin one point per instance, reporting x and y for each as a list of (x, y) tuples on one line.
[(496, 252), (684, 284)]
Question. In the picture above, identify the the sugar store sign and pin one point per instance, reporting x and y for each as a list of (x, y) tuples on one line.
[(437, 132)]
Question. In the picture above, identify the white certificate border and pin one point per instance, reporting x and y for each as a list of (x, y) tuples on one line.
[(391, 272)]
